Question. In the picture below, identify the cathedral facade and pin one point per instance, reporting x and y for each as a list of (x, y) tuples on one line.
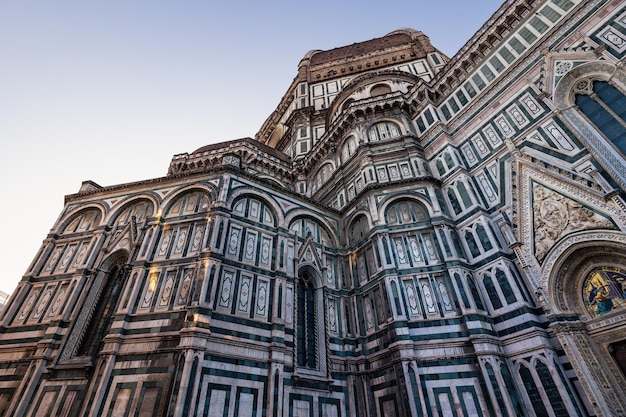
[(407, 235)]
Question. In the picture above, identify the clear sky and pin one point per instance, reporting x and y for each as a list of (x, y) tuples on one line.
[(110, 90)]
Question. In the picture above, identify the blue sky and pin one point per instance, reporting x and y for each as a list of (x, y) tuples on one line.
[(109, 90)]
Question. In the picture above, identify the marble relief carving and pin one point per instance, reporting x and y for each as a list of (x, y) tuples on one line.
[(556, 216)]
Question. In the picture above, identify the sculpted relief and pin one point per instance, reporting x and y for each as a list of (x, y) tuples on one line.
[(556, 216)]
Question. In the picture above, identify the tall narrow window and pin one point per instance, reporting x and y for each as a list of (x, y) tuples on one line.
[(471, 244), (475, 295), (306, 348), (505, 286), (605, 107), (492, 292), (103, 314)]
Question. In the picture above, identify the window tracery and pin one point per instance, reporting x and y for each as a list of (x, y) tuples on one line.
[(383, 131), (605, 106)]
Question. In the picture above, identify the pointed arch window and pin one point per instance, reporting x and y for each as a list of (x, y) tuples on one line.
[(348, 149), (471, 243), (306, 325), (494, 297), (505, 286), (484, 239), (358, 230), (475, 294)]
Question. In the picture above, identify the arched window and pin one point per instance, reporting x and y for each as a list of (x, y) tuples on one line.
[(323, 174), (496, 389), (448, 159), (484, 238), (605, 107), (459, 284), (302, 226), (190, 203), (454, 201), (456, 242), (406, 211), (492, 292), (592, 98), (512, 390), (358, 230), (138, 209), (506, 288), (475, 294), (440, 168), (382, 131), (467, 201), (306, 324), (471, 243), (84, 221), (254, 209), (551, 390), (348, 149), (533, 393)]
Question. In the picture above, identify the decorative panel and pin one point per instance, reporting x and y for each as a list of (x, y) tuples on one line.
[(492, 136), (67, 258), (266, 251), (262, 298), (444, 294), (517, 116), (504, 126), (166, 239), (431, 253), (481, 146), (405, 169), (245, 292), (400, 252), (486, 187), (290, 256), (332, 314), (181, 239), (558, 137), (416, 253), (167, 290), (412, 299), (42, 303), (228, 282), (59, 298), (469, 154), (531, 104), (369, 313), (198, 235), (54, 258), (289, 304), (428, 298), (28, 305), (151, 286), (232, 248), (186, 286), (249, 252), (81, 256)]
